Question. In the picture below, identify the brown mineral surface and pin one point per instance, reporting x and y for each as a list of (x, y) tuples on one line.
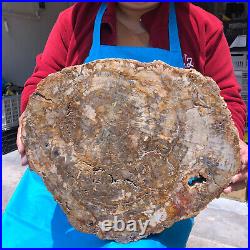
[(120, 139)]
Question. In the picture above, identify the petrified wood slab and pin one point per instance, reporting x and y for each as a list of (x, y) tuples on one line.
[(120, 139)]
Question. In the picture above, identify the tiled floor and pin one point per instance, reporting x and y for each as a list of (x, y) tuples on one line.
[(223, 224), (12, 171)]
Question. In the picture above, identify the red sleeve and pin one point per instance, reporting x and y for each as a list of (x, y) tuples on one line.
[(53, 57), (219, 66)]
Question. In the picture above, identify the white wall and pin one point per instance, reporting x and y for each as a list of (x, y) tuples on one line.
[(24, 40)]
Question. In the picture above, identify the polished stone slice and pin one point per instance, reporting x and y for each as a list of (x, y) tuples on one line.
[(123, 140)]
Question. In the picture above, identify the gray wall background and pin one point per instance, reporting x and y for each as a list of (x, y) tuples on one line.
[(25, 39)]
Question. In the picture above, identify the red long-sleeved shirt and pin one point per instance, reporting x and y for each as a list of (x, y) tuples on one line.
[(203, 44)]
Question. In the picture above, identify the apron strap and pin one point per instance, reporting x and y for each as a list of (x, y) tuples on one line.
[(97, 26), (174, 41)]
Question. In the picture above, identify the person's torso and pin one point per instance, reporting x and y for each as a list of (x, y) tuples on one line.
[(192, 37)]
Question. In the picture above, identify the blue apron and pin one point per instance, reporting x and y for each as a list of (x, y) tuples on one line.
[(33, 218)]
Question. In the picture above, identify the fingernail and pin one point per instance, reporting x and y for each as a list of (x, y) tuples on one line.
[(234, 179), (227, 190)]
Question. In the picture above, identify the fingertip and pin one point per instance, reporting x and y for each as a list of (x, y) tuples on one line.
[(235, 178), (20, 147), (24, 161), (227, 190)]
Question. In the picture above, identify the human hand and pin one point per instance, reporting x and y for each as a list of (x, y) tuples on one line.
[(239, 180), (20, 145)]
